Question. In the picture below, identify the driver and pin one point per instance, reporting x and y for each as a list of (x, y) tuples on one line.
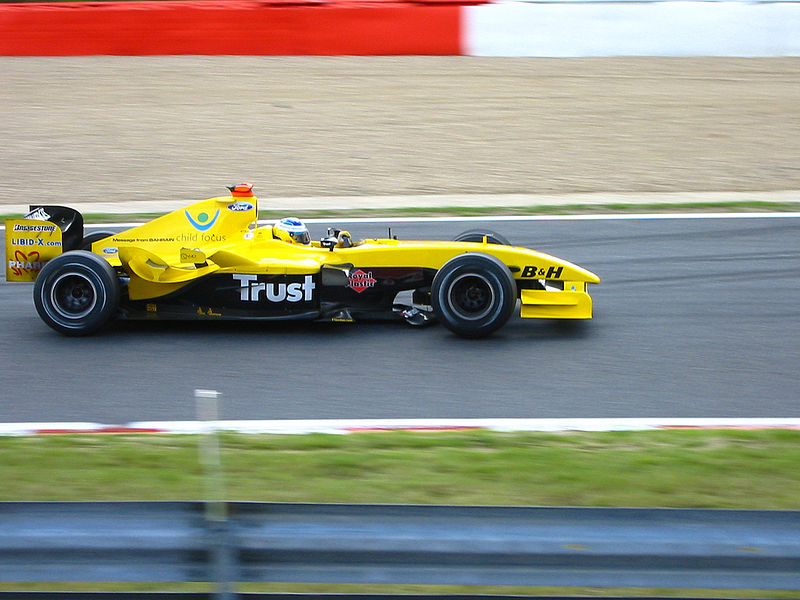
[(291, 230)]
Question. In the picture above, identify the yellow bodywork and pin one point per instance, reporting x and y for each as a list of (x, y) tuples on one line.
[(165, 254), (221, 235)]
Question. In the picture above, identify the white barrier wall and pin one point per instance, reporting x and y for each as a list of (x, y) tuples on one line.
[(584, 29), (546, 28)]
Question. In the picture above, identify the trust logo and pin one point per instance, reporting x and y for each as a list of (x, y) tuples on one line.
[(203, 222), (251, 290)]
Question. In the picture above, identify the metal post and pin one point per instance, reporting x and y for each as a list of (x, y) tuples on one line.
[(215, 506)]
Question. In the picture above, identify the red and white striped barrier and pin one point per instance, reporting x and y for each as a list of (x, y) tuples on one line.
[(238, 27), (397, 27), (348, 426)]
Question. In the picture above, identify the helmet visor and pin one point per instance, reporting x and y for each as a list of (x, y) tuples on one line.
[(301, 238)]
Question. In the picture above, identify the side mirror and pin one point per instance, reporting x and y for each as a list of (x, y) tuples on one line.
[(329, 243)]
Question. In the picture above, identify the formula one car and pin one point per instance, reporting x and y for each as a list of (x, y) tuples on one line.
[(212, 260)]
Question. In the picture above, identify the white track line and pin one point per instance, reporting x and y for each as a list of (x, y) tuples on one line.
[(598, 217), (346, 426)]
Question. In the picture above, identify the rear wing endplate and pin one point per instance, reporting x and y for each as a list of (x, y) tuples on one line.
[(44, 233)]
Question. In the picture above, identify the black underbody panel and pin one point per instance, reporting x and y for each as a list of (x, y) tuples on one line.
[(360, 293)]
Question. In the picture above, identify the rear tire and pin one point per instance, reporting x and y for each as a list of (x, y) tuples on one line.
[(76, 293), (95, 236), (474, 294)]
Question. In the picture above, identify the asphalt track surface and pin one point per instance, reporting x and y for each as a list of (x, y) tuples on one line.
[(695, 317)]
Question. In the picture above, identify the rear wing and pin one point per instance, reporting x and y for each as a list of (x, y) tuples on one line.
[(41, 235)]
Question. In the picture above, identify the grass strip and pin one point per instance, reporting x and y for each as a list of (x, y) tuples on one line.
[(700, 469), (687, 468), (483, 211)]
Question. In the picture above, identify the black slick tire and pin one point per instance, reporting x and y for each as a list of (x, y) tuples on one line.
[(473, 294), (477, 235), (76, 293), (95, 236)]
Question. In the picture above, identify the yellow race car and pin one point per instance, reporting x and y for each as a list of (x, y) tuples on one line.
[(212, 260)]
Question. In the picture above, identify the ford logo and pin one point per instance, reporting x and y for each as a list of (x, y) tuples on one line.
[(240, 206)]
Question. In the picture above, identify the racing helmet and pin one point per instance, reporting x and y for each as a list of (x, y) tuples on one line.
[(291, 230)]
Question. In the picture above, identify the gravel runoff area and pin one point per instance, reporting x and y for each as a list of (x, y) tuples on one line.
[(396, 131)]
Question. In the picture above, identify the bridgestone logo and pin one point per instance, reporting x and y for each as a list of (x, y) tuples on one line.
[(50, 228)]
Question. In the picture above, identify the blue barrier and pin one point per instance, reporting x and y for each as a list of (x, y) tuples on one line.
[(174, 541)]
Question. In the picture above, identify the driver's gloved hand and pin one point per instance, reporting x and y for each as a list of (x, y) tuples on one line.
[(344, 239)]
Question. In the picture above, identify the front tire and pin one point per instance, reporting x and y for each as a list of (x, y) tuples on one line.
[(473, 294), (76, 293), (477, 235)]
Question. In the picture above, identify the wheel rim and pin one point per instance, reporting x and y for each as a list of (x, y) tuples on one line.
[(471, 296), (73, 295)]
